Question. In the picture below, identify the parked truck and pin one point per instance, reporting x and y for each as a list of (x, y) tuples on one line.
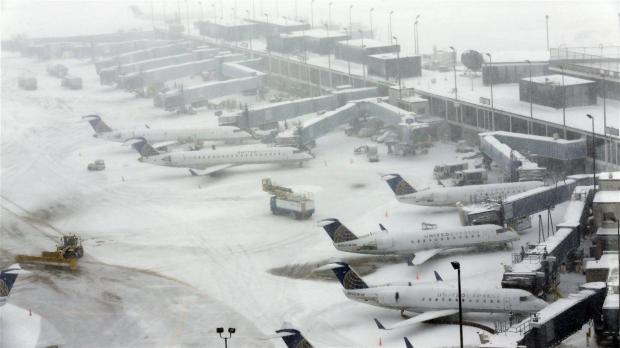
[(470, 177), (286, 202), (57, 70), (445, 171), (71, 82), (27, 83)]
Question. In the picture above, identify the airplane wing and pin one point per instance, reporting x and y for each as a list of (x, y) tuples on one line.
[(421, 256), (162, 144), (420, 318), (210, 170)]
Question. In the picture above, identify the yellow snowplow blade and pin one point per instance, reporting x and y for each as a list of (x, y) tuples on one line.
[(48, 258)]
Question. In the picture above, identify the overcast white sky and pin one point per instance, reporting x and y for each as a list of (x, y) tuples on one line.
[(490, 26)]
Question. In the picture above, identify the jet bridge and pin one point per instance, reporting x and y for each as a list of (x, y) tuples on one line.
[(535, 268), (310, 130), (165, 48), (243, 79), (124, 72), (265, 116), (507, 151), (554, 323)]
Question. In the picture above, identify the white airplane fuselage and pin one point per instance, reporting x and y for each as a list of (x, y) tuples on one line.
[(449, 196), (425, 297), (203, 159), (182, 135), (407, 243)]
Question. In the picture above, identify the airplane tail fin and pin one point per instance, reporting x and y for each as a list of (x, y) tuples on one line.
[(142, 146), (346, 275), (7, 279), (337, 231), (292, 337), (97, 123), (398, 184), (438, 277)]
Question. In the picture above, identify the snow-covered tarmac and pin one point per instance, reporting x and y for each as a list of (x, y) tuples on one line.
[(169, 257)]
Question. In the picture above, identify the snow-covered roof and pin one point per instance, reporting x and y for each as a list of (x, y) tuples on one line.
[(608, 176), (322, 33), (556, 80), (607, 197), (607, 231), (230, 22), (279, 21), (368, 43), (607, 261)]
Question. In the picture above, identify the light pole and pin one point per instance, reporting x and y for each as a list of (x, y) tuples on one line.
[(617, 221), (563, 101), (456, 93), (491, 69), (329, 59), (390, 26), (416, 43), (220, 331), (593, 153), (529, 92), (363, 56), (351, 35), (267, 37), (311, 13), (250, 38), (188, 21), (329, 18), (400, 87), (457, 267), (370, 19), (547, 24)]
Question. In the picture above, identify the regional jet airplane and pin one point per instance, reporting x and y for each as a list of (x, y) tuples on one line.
[(7, 279), (173, 135), (449, 196), (416, 246), (209, 161), (432, 300)]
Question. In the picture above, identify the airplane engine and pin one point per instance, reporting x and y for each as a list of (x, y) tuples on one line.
[(389, 298)]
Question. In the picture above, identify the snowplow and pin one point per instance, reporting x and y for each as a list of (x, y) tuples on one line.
[(66, 255)]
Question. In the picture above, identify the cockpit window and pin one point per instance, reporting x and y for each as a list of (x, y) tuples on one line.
[(523, 298), (502, 230)]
